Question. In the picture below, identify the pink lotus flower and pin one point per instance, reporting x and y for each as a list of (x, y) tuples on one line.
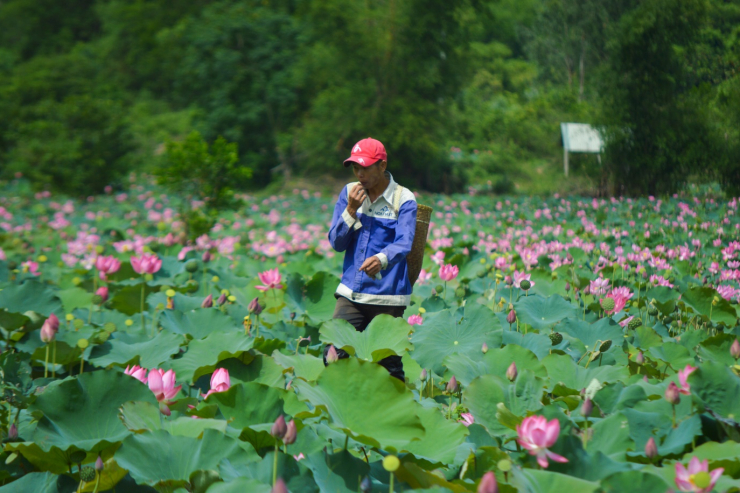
[(220, 382), (103, 293), (30, 267), (147, 264), (415, 320), (620, 296), (163, 385), (683, 375), (107, 265), (467, 419), (270, 279), (626, 321), (522, 276), (137, 372), (424, 276), (697, 478), (536, 435), (448, 272), (299, 457), (598, 286)]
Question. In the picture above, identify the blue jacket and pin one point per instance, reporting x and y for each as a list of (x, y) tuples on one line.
[(379, 230)]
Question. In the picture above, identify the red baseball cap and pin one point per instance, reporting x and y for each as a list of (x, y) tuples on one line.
[(366, 153)]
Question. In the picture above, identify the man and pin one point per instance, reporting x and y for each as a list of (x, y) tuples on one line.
[(374, 223)]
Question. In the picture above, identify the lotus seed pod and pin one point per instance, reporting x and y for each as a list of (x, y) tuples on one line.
[(291, 433), (207, 302), (511, 317), (504, 465), (556, 338), (735, 349), (366, 486), (634, 323), (605, 346), (391, 463), (87, 474), (439, 288), (460, 292), (525, 285), (607, 304), (640, 358), (484, 348), (511, 372), (279, 428), (488, 483), (651, 449), (193, 284), (191, 266), (587, 407), (671, 394), (279, 487), (702, 480), (452, 385), (331, 355), (424, 376), (99, 466)]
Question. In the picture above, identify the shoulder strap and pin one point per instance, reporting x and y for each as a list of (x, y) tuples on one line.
[(397, 199)]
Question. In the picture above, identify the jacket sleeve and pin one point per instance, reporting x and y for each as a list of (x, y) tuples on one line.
[(343, 224), (405, 230)]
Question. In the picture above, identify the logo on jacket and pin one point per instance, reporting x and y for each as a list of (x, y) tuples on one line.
[(385, 211)]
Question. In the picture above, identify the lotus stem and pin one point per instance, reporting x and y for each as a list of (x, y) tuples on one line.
[(97, 483), (274, 466), (82, 365), (674, 415), (585, 434), (390, 487), (54, 360), (143, 323), (46, 362)]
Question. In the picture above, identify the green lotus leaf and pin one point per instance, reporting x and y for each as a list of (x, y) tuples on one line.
[(339, 472), (73, 298), (203, 355), (136, 348), (83, 411), (32, 295), (127, 299), (241, 485), (634, 481), (717, 349), (590, 334), (485, 393), (726, 455), (675, 355), (382, 415), (681, 436), (248, 404), (611, 437), (199, 323), (494, 362), (37, 482), (542, 313), (562, 369), (250, 367), (182, 302), (305, 366), (53, 460), (297, 477), (615, 396), (537, 481), (384, 336), (442, 438), (315, 299), (718, 389), (418, 478), (646, 337), (144, 416), (539, 344), (163, 460), (446, 332), (701, 299)]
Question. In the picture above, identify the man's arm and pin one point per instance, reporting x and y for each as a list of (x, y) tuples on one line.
[(405, 230), (344, 221)]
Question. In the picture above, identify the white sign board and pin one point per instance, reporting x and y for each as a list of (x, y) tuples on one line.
[(581, 137)]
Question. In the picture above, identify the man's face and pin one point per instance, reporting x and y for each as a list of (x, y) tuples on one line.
[(372, 175)]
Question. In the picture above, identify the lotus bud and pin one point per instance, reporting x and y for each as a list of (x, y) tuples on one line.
[(651, 449), (735, 349), (488, 483), (291, 433), (206, 257), (587, 407), (640, 358), (99, 466), (511, 317), (279, 428), (255, 307), (567, 287), (53, 322), (207, 302), (366, 486), (508, 281), (671, 394), (13, 432), (512, 372), (221, 299), (424, 375), (452, 385), (331, 355), (103, 293), (279, 487), (484, 348), (47, 333)]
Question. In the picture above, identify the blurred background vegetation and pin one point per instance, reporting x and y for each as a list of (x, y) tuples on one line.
[(463, 93)]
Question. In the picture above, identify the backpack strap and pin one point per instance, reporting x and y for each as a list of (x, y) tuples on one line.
[(397, 199)]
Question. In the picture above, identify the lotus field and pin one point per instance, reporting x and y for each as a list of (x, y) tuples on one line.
[(552, 345)]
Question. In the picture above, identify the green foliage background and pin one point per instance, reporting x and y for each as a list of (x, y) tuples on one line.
[(462, 92)]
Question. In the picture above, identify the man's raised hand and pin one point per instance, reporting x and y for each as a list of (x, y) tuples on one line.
[(355, 199)]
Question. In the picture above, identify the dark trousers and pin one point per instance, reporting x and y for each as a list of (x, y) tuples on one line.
[(360, 316)]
